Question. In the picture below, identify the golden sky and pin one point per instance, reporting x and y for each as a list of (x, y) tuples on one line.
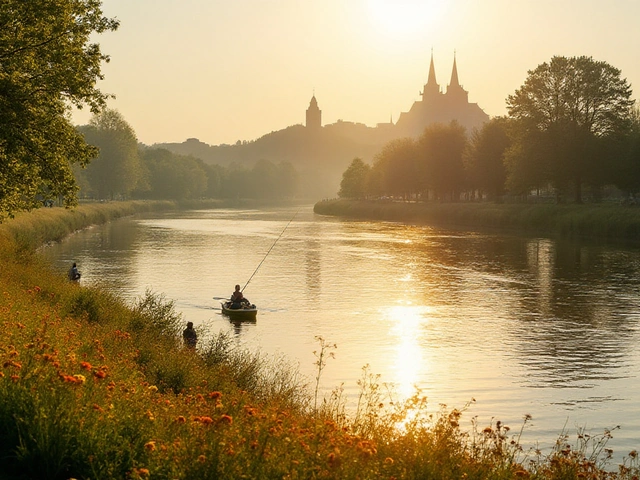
[(228, 70)]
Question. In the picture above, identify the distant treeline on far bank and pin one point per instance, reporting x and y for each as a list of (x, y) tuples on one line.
[(602, 221)]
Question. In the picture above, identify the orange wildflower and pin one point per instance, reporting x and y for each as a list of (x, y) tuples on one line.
[(181, 419), (100, 374), (206, 420), (226, 419), (15, 378), (86, 366), (202, 459), (215, 394), (150, 446)]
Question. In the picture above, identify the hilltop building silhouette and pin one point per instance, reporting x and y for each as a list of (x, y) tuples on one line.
[(437, 106), (314, 115)]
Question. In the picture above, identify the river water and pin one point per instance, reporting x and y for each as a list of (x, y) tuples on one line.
[(522, 325)]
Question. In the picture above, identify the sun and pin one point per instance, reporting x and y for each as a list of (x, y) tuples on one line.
[(403, 18)]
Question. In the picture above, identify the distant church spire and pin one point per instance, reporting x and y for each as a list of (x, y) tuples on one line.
[(454, 73), (455, 89), (431, 88)]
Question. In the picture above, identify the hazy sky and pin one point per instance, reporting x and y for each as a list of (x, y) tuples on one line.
[(228, 70)]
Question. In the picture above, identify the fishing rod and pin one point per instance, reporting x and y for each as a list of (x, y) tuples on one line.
[(269, 251)]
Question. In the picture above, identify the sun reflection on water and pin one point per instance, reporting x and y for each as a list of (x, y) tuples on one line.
[(408, 329)]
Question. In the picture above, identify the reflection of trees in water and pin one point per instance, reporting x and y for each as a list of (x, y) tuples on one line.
[(567, 308), (579, 325), (108, 252), (313, 267)]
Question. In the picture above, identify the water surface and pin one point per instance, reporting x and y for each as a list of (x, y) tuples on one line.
[(522, 325)]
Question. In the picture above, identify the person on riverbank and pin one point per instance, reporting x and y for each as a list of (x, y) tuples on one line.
[(74, 274), (190, 336)]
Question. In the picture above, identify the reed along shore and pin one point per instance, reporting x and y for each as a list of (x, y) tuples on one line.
[(597, 221), (91, 387)]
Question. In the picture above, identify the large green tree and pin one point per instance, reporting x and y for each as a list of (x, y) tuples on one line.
[(168, 175), (568, 113), (394, 170), (485, 157), (354, 180), (48, 65), (627, 174), (440, 151), (116, 170)]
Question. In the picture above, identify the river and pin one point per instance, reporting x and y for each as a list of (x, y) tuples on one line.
[(523, 325)]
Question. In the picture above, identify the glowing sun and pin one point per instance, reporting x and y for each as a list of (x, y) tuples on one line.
[(403, 18)]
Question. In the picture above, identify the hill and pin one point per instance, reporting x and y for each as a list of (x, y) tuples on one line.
[(319, 155)]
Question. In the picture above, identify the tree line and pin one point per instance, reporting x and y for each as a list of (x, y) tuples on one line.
[(124, 168), (49, 65), (571, 131)]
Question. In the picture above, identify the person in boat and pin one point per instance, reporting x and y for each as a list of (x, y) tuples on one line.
[(190, 336), (74, 274), (238, 300)]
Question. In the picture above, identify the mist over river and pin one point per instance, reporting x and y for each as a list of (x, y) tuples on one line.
[(522, 325)]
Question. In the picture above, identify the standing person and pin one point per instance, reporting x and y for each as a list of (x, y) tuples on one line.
[(74, 274), (190, 336)]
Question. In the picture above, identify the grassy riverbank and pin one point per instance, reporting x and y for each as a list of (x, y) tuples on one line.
[(603, 221), (93, 388)]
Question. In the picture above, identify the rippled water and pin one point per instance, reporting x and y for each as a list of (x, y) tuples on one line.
[(522, 325)]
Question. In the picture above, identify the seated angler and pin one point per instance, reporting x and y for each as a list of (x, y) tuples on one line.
[(238, 299)]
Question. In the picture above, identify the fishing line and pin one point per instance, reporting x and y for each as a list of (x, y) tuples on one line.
[(269, 251)]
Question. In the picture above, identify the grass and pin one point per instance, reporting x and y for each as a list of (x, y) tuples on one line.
[(599, 221), (93, 388)]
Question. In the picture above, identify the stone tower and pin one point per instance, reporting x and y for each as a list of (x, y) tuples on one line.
[(314, 115)]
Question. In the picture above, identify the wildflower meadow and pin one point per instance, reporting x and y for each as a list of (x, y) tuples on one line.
[(94, 388)]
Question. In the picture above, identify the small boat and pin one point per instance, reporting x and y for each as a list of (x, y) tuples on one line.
[(247, 310)]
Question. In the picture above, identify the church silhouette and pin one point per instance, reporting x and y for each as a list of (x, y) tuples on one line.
[(435, 106)]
